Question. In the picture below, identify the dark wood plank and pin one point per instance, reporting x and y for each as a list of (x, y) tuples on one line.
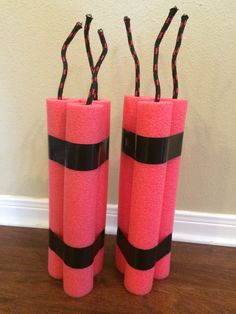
[(203, 280)]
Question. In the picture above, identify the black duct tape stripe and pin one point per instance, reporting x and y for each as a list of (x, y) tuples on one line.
[(151, 150), (75, 257), (81, 157), (142, 259), (56, 149)]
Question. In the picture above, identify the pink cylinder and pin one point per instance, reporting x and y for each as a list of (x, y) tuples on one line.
[(102, 187), (126, 174), (153, 120), (56, 116), (84, 125), (162, 268)]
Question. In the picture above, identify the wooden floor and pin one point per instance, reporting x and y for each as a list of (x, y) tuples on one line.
[(203, 280)]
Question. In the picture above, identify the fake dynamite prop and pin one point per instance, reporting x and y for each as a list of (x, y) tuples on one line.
[(149, 170), (78, 173)]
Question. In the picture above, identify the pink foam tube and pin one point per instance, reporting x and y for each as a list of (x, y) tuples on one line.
[(162, 268), (153, 120), (83, 126), (102, 188), (126, 174), (56, 115)]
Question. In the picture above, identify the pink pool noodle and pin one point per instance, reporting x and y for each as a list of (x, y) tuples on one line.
[(56, 116), (153, 120), (126, 174), (83, 126), (102, 187), (162, 268)]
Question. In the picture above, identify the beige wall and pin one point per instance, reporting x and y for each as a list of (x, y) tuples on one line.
[(31, 35)]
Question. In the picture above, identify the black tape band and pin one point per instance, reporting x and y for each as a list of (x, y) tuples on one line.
[(75, 257), (81, 157), (142, 259), (150, 150)]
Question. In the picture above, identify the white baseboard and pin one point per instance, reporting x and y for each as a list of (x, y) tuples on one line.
[(193, 227), (23, 211)]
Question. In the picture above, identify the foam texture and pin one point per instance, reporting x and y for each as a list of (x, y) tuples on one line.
[(153, 120), (56, 120), (162, 268), (82, 220), (126, 174), (102, 188)]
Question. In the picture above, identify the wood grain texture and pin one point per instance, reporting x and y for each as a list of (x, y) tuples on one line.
[(203, 280)]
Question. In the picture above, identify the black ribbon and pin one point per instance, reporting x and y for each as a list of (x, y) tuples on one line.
[(75, 257), (81, 157), (151, 150), (142, 259)]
